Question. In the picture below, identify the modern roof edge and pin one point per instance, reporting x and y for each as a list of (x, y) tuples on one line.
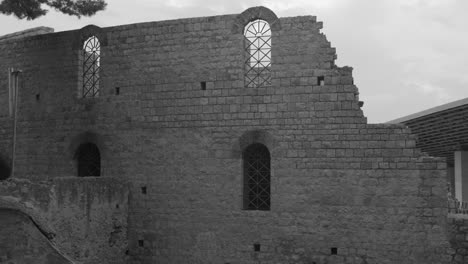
[(429, 111)]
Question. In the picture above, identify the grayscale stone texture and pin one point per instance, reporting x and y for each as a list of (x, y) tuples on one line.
[(336, 181)]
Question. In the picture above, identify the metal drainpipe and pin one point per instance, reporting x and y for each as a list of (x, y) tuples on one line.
[(15, 74)]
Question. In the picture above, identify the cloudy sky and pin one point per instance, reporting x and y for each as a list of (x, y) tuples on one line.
[(407, 55)]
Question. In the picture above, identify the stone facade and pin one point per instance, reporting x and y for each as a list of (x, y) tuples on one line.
[(342, 190)]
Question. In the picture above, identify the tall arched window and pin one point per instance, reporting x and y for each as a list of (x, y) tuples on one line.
[(91, 67), (256, 159), (258, 54), (89, 160)]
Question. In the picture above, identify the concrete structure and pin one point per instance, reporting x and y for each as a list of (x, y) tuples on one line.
[(218, 144)]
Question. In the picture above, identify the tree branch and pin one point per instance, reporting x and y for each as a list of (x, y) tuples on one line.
[(31, 9)]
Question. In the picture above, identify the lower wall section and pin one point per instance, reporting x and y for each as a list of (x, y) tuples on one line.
[(458, 232), (84, 218), (21, 242), (323, 210)]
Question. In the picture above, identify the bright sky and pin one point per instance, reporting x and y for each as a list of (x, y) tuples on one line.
[(407, 55)]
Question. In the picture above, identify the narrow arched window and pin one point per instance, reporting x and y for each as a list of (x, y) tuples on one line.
[(258, 54), (91, 67), (5, 170), (256, 158), (89, 160)]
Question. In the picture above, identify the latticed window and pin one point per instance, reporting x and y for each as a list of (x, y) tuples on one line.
[(89, 160), (256, 177), (91, 67), (258, 54)]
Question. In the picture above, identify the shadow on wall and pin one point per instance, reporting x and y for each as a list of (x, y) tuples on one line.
[(22, 242), (84, 218), (5, 170)]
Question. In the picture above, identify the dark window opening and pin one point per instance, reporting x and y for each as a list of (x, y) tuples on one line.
[(334, 251), (5, 170), (143, 190), (256, 159), (203, 85), (321, 80), (117, 90), (38, 96), (89, 160), (141, 243), (256, 247)]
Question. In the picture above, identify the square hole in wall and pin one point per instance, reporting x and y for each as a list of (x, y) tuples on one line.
[(334, 251), (256, 247), (117, 90), (321, 80), (203, 85), (143, 190), (38, 97), (141, 243)]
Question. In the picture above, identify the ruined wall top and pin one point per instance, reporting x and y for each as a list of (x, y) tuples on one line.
[(27, 33)]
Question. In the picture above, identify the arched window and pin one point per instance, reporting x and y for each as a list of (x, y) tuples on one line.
[(89, 160), (5, 170), (91, 67), (256, 159), (258, 54)]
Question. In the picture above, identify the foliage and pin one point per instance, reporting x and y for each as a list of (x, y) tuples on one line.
[(32, 9)]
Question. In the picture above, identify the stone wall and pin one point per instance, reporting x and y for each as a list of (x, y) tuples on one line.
[(459, 237), (338, 184), (4, 82), (22, 243), (68, 219)]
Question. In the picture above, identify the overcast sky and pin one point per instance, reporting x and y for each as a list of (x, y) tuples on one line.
[(407, 55)]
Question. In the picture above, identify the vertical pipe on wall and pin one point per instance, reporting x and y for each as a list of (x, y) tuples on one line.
[(10, 92), (14, 90)]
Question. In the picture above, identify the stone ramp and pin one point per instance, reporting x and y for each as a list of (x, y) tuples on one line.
[(22, 242)]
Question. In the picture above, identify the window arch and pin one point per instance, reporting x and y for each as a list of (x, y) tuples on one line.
[(256, 159), (91, 67), (257, 43), (88, 160)]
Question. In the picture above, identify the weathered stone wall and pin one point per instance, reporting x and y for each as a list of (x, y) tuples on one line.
[(22, 243), (85, 219), (337, 182), (4, 82), (459, 237)]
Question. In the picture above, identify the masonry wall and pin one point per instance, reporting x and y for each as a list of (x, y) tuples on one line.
[(65, 220), (19, 235), (458, 237), (337, 182)]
